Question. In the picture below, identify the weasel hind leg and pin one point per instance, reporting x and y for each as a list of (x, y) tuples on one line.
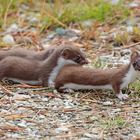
[(65, 90), (119, 93)]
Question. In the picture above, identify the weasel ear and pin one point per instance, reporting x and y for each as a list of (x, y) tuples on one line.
[(134, 55), (65, 53)]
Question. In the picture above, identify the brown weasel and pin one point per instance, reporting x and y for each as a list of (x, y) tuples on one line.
[(78, 77), (27, 53), (40, 72)]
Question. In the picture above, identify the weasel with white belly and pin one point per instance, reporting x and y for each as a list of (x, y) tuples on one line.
[(40, 72), (26, 53), (78, 77)]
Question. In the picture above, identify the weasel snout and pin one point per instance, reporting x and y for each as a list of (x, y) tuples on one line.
[(84, 62)]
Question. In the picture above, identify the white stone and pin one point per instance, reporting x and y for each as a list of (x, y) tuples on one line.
[(107, 103), (8, 39), (114, 2), (13, 28), (61, 129), (129, 29)]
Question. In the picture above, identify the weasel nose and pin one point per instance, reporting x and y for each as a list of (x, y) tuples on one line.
[(136, 65), (85, 61)]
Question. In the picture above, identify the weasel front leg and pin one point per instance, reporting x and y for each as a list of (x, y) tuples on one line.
[(122, 96), (47, 83), (119, 93), (65, 90), (68, 90), (51, 84)]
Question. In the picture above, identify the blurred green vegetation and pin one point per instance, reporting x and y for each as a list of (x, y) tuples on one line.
[(114, 122), (62, 12)]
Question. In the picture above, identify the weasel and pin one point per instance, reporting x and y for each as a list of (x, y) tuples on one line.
[(78, 77), (40, 72), (25, 53)]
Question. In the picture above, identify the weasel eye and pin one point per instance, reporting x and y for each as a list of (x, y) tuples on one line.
[(134, 63), (78, 58)]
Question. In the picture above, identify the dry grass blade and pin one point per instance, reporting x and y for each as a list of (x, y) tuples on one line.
[(15, 116), (6, 13), (55, 19), (6, 91), (27, 86), (129, 46), (132, 45)]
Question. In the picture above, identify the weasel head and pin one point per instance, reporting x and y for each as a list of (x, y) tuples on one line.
[(74, 54), (135, 60)]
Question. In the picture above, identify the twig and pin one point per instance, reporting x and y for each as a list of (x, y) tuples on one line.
[(6, 91), (6, 13), (129, 46), (2, 96), (132, 45), (55, 19), (22, 85), (88, 100), (51, 16), (37, 113)]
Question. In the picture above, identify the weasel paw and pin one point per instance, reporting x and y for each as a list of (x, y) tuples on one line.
[(51, 84), (68, 90), (122, 96)]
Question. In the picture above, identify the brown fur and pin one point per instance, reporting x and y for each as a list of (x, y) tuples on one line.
[(17, 67), (27, 53), (88, 76)]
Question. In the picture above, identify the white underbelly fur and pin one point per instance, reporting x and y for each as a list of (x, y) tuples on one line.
[(31, 82), (79, 86), (130, 76), (61, 63)]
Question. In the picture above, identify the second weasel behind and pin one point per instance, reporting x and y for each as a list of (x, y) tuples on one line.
[(40, 72), (78, 77), (27, 53)]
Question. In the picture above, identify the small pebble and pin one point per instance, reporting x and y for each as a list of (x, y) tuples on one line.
[(8, 39), (61, 129), (107, 103), (13, 28)]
